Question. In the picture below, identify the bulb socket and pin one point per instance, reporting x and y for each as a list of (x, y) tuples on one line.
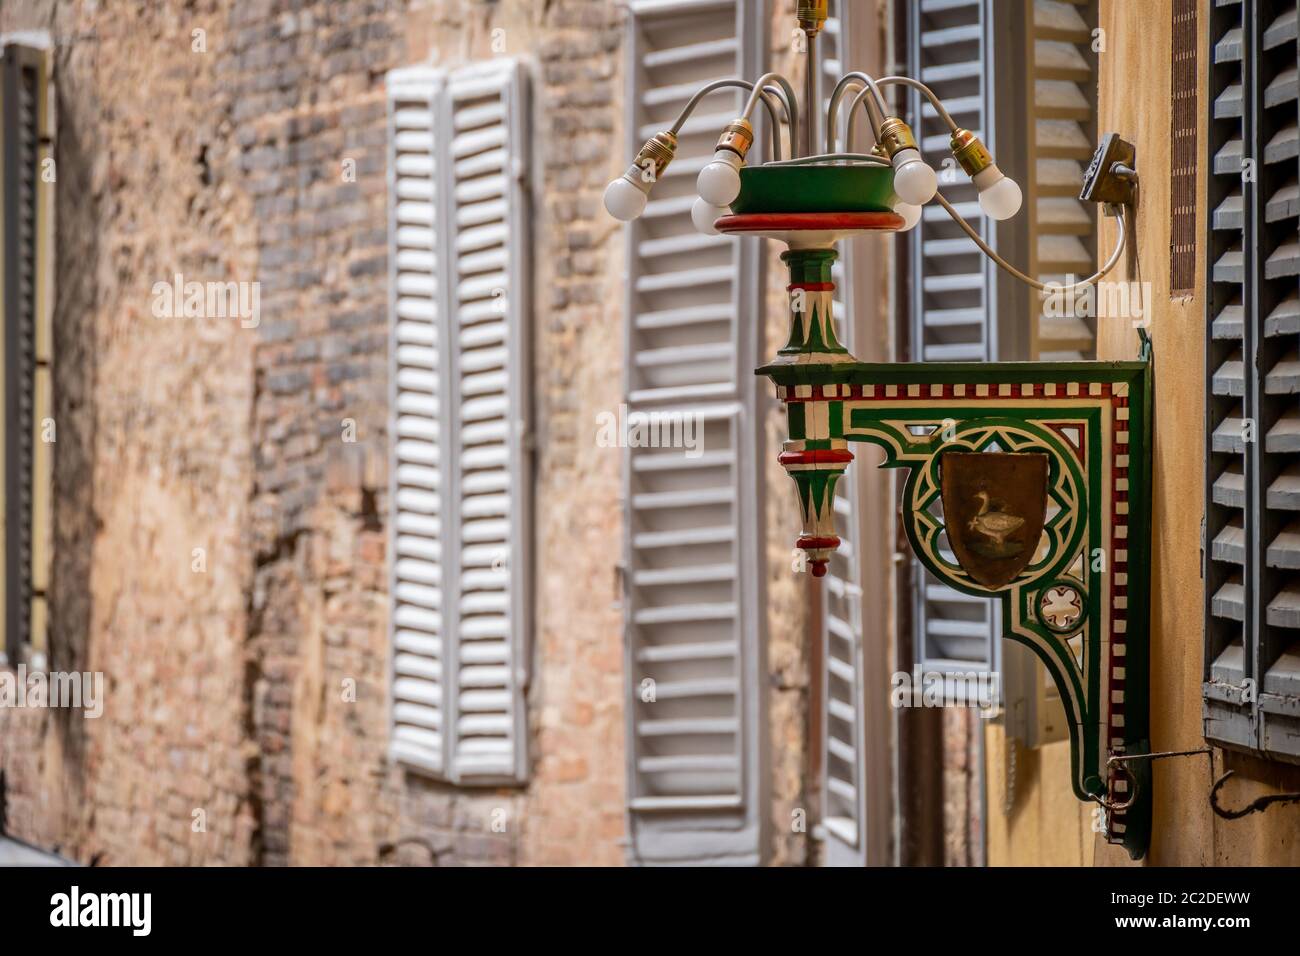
[(656, 154), (737, 137), (970, 152), (896, 136), (811, 15)]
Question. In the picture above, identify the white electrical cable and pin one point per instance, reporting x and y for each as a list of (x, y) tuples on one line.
[(1008, 267)]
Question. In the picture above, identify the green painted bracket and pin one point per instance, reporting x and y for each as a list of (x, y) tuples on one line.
[(1082, 603)]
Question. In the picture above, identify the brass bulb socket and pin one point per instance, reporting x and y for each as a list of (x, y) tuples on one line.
[(896, 136), (657, 153), (970, 152), (811, 15), (737, 137)]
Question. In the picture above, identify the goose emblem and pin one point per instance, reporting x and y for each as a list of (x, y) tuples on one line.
[(994, 509), (995, 524)]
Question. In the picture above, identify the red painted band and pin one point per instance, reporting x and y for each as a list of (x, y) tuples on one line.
[(766, 221), (811, 286), (816, 456), (810, 543)]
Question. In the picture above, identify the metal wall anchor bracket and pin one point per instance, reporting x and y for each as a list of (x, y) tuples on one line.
[(1111, 176)]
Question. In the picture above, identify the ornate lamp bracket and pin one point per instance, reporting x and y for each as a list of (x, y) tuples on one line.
[(1028, 482)]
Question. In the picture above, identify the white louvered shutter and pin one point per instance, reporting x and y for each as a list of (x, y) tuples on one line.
[(485, 116), (418, 434), (843, 713), (461, 472), (694, 609), (954, 289)]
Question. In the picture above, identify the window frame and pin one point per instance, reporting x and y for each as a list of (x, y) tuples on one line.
[(27, 460)]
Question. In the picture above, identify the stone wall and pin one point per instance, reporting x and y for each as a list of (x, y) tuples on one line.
[(229, 738)]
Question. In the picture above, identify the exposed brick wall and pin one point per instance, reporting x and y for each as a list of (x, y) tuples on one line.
[(153, 457), (227, 685)]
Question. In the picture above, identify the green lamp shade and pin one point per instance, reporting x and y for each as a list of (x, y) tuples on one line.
[(814, 189)]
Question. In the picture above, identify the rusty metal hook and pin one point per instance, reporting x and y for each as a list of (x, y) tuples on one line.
[(1120, 761), (1119, 806), (1255, 806)]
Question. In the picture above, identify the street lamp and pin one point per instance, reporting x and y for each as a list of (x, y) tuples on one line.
[(1037, 465)]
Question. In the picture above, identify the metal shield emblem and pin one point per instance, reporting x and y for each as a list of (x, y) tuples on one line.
[(994, 506)]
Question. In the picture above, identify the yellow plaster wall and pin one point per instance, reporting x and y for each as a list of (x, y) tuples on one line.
[(1047, 826)]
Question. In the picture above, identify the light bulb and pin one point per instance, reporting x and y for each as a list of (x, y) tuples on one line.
[(625, 197), (914, 181), (704, 213), (719, 182), (1000, 196), (911, 214)]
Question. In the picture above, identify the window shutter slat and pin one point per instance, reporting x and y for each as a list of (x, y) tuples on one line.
[(692, 627), (459, 281)]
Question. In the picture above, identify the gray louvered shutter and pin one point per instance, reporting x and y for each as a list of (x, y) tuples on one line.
[(1225, 521), (694, 619), (1047, 130), (954, 291), (24, 307), (1042, 135), (843, 713), (1278, 189), (1252, 532), (461, 554)]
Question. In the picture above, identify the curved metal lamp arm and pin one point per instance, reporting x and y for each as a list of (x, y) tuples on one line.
[(766, 94), (859, 80), (1028, 280), (864, 93), (770, 95), (928, 93), (791, 104)]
